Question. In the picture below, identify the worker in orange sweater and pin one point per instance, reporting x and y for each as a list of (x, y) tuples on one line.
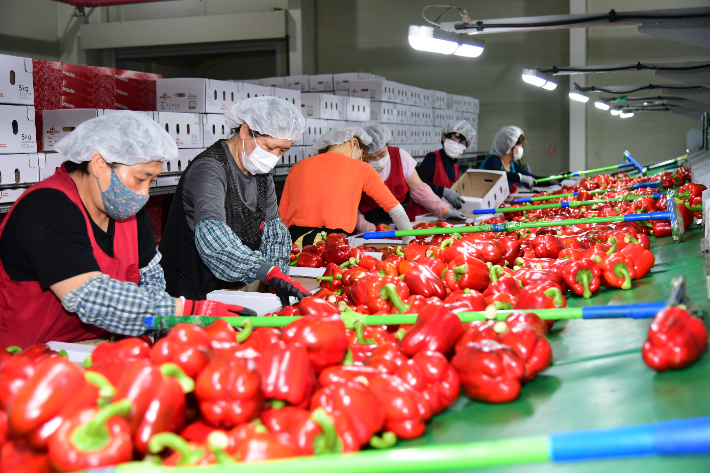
[(323, 192)]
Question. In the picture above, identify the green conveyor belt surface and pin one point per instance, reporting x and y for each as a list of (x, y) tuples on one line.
[(603, 393)]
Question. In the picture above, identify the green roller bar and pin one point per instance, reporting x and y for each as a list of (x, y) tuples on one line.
[(562, 205), (581, 173), (521, 200)]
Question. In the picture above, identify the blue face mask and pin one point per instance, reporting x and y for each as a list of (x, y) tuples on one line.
[(119, 201)]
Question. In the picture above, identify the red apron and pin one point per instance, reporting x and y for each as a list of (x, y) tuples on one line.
[(395, 182), (30, 315), (440, 179)]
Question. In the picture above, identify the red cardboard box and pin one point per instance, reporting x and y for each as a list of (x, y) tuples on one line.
[(47, 77), (135, 90), (88, 87)]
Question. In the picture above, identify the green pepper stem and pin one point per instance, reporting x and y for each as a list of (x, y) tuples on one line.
[(14, 349), (278, 404), (459, 271), (388, 440), (612, 249), (94, 435), (171, 370), (496, 272), (106, 389), (447, 242), (359, 327), (583, 277), (63, 354), (500, 305), (348, 359), (247, 329), (621, 270), (389, 292), (556, 295), (399, 251), (218, 442), (400, 333), (88, 362), (188, 456), (328, 442)]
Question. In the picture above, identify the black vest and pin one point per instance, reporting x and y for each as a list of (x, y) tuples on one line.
[(185, 273)]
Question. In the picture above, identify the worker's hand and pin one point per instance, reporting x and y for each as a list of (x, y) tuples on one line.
[(453, 198), (526, 180), (452, 214), (284, 286), (215, 309)]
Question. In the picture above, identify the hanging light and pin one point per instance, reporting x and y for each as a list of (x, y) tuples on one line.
[(602, 105), (626, 115), (433, 40), (576, 96), (616, 112), (531, 76)]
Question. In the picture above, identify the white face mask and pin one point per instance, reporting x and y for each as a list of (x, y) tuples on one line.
[(517, 154), (380, 165), (259, 161), (453, 149)]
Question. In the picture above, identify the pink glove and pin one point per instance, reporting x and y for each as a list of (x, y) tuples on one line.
[(424, 196), (215, 309)]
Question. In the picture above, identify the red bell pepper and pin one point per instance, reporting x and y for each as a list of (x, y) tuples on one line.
[(286, 373), (188, 346), (17, 456), (477, 331), (435, 264), (642, 259), (423, 281), (317, 306), (531, 346), (360, 287), (430, 374), (583, 277), (224, 337), (332, 277), (369, 334), (618, 270), (209, 451), (261, 338), (406, 410), (309, 260), (229, 392), (511, 249), (691, 190), (436, 329), (491, 251), (529, 277), (18, 369), (383, 227), (675, 340), (386, 357), (380, 291), (337, 252), (546, 246), (489, 371), (661, 228), (132, 348), (572, 254), (259, 445), (323, 336), (541, 296), (467, 273), (465, 301), (527, 318), (93, 438), (384, 268), (333, 237), (296, 425)]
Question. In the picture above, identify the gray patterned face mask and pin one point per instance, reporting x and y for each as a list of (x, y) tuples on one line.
[(119, 201)]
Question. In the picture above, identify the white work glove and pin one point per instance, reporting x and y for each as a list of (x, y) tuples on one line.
[(452, 214), (453, 198), (526, 180), (401, 221)]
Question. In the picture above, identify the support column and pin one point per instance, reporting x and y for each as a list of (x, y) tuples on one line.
[(301, 37), (577, 110)]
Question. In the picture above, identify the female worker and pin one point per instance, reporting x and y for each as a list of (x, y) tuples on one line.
[(78, 258), (223, 228), (322, 193), (439, 168), (396, 167), (506, 151)]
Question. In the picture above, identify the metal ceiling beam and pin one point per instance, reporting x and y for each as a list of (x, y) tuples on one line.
[(695, 32), (701, 67)]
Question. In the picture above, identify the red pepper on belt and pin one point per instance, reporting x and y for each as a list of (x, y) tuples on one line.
[(17, 456), (367, 262), (309, 260), (323, 336), (477, 331), (18, 369), (642, 259), (489, 371), (430, 373), (691, 190), (93, 438), (546, 246), (406, 410), (384, 268), (132, 348), (618, 270), (261, 338), (435, 264), (379, 293), (416, 251), (337, 252), (188, 346), (583, 277), (491, 251), (386, 358), (436, 329), (333, 237), (360, 288), (209, 451), (527, 318), (286, 373), (511, 249), (529, 277), (316, 306), (332, 277), (661, 228), (229, 392), (423, 281), (531, 346), (675, 340), (467, 273), (296, 425), (546, 295), (465, 301)]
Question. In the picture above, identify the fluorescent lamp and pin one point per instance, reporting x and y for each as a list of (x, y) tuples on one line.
[(578, 97), (626, 115), (432, 40), (602, 105), (616, 112), (531, 76)]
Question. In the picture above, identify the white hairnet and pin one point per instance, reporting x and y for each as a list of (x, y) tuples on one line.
[(338, 136), (505, 139), (271, 116), (381, 135), (463, 127), (126, 138)]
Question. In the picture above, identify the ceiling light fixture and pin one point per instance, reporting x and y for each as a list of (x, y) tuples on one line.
[(616, 112), (531, 76), (576, 96), (601, 105), (626, 115), (433, 40)]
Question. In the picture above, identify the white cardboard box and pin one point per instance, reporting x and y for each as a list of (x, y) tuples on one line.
[(342, 81), (214, 128), (438, 99), (342, 93), (17, 129), (323, 106), (330, 124), (426, 98), (320, 83), (184, 128), (469, 104), (16, 85), (380, 90), (196, 95), (290, 95), (252, 90), (402, 114), (416, 96), (357, 109), (427, 116), (481, 189), (17, 169), (313, 130), (49, 163), (455, 102), (274, 82), (56, 124), (383, 112), (442, 117), (256, 301), (401, 134), (403, 94), (185, 155), (415, 115), (297, 83), (108, 111), (471, 118), (292, 156)]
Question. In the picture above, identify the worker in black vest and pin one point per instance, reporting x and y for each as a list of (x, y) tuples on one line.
[(224, 228)]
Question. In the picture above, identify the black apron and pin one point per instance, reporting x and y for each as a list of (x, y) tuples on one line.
[(185, 273)]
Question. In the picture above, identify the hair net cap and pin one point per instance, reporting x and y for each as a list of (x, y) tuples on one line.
[(462, 127), (381, 135), (338, 136), (505, 139), (271, 116), (125, 138)]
